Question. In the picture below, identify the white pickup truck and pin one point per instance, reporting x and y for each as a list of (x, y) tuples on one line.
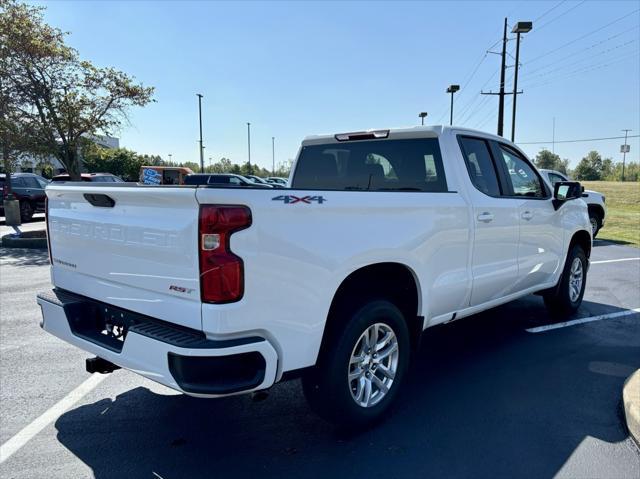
[(384, 233)]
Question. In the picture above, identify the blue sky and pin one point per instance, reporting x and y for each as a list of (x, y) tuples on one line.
[(299, 68)]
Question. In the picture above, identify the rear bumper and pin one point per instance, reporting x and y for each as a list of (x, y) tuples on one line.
[(180, 358)]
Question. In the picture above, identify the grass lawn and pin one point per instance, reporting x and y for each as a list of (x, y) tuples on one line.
[(622, 222)]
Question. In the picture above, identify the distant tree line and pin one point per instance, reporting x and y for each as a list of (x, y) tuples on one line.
[(127, 163), (591, 168)]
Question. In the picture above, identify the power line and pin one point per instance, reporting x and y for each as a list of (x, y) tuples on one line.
[(571, 55), (583, 36), (583, 70), (548, 11), (566, 65), (559, 16), (575, 141)]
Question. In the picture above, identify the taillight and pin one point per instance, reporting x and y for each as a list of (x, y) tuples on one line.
[(221, 271)]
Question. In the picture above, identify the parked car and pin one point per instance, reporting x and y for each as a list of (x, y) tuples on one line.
[(276, 180), (228, 180), (92, 177), (595, 201), (28, 188), (257, 179), (383, 234)]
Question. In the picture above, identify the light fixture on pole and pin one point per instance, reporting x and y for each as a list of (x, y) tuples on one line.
[(518, 28), (422, 115), (452, 89)]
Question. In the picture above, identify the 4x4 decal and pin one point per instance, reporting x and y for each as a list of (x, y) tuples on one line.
[(290, 199)]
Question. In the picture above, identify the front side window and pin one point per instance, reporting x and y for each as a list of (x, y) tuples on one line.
[(555, 178), (480, 165), (522, 178), (376, 165)]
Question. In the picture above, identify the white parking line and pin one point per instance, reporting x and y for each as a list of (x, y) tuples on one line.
[(29, 432), (590, 319), (614, 260)]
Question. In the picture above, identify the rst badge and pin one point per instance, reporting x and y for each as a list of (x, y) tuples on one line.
[(290, 199)]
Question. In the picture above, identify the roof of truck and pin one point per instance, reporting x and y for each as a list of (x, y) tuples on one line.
[(427, 131)]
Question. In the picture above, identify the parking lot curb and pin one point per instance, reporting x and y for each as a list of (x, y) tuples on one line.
[(631, 400), (29, 239)]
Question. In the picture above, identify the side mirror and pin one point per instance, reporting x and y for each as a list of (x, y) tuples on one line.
[(565, 191)]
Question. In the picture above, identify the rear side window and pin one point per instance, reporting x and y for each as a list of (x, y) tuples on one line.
[(480, 165), (31, 182), (220, 180), (377, 165), (18, 182)]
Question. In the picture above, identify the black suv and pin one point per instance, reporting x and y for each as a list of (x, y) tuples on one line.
[(28, 188)]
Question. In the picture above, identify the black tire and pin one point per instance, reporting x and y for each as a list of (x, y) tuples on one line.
[(596, 223), (561, 301), (327, 386), (26, 211)]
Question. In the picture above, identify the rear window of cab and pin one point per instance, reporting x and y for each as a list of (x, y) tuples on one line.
[(375, 165)]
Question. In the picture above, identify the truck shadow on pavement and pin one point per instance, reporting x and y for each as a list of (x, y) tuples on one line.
[(484, 399), (25, 256)]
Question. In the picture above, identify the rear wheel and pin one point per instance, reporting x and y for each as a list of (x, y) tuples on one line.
[(26, 211), (566, 297), (361, 366)]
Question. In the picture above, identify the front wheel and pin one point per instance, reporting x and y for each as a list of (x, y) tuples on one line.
[(26, 211), (361, 366), (596, 223), (566, 297)]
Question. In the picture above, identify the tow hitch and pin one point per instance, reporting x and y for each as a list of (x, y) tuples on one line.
[(99, 365)]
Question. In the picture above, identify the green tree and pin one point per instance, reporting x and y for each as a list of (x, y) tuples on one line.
[(62, 99), (590, 167), (118, 161), (547, 160)]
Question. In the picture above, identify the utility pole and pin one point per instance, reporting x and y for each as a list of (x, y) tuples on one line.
[(520, 27), (625, 149), (249, 144), (273, 155), (201, 147), (502, 72), (553, 137)]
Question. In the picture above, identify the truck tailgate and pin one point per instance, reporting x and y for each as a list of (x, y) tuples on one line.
[(140, 254)]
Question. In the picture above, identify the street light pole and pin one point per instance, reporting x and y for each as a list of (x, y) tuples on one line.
[(201, 147), (452, 89), (624, 151), (273, 155), (520, 27), (422, 115), (249, 144), (170, 155)]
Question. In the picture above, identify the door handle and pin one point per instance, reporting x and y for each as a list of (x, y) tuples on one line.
[(485, 217), (527, 215)]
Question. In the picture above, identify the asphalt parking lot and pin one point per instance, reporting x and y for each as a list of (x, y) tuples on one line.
[(494, 395)]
